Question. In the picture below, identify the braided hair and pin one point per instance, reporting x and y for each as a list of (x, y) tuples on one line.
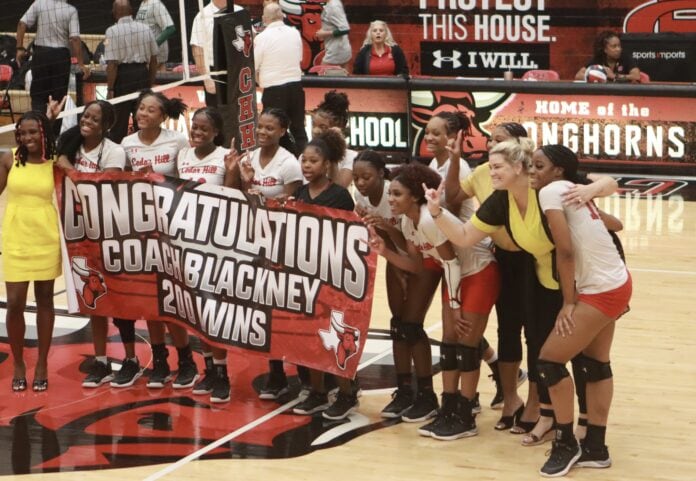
[(455, 121), (48, 141), (561, 156), (514, 129)]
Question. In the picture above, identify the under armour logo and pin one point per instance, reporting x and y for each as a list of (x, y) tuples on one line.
[(439, 58)]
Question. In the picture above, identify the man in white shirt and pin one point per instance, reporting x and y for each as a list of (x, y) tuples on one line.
[(278, 55), (202, 45)]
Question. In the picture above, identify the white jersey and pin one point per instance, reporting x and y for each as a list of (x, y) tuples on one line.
[(382, 208), (106, 155), (427, 236), (210, 169), (161, 155), (598, 266), (472, 259), (282, 169), (348, 159)]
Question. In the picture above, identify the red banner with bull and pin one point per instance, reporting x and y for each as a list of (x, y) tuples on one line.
[(290, 281)]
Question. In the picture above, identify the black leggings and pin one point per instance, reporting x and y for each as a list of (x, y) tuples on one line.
[(516, 270), (543, 306)]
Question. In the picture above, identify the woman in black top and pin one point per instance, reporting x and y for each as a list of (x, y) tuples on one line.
[(607, 53), (380, 55)]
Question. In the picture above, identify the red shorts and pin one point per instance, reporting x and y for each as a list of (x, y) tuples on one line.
[(611, 303), (478, 292), (432, 264)]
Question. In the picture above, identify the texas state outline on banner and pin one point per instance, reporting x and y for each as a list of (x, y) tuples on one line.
[(292, 281)]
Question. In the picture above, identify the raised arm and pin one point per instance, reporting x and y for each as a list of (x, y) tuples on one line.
[(459, 233), (453, 189)]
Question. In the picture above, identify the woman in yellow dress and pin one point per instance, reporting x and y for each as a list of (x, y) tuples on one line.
[(30, 241)]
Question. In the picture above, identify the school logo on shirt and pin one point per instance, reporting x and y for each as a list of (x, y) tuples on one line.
[(243, 41), (341, 338)]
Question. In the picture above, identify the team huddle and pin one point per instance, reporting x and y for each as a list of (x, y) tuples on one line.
[(519, 233)]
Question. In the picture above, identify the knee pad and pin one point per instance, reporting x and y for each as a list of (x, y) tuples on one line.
[(551, 373), (483, 345), (595, 370), (468, 358), (408, 332), (448, 357)]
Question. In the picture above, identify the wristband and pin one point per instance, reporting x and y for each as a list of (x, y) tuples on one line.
[(438, 215)]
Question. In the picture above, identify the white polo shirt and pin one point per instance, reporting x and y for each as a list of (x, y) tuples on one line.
[(278, 54), (202, 30)]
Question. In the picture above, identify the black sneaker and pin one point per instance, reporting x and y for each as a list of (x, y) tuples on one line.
[(221, 386), (424, 407), (205, 385), (100, 373), (342, 407), (563, 456), (476, 405), (274, 387), (187, 375), (160, 374), (452, 427), (427, 429), (458, 421), (129, 373), (402, 399), (313, 403), (594, 458)]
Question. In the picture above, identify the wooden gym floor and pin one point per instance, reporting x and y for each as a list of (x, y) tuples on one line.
[(161, 435)]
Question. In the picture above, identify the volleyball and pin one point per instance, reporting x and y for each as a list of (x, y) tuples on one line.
[(595, 74)]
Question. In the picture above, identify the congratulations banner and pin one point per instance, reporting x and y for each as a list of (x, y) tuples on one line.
[(292, 282)]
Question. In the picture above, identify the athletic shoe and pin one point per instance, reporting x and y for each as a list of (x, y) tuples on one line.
[(129, 373), (99, 373), (402, 399), (342, 407), (221, 386), (160, 374), (452, 427), (314, 403), (457, 419), (476, 405), (427, 429), (187, 375), (563, 456), (274, 387), (205, 386), (594, 458), (305, 390), (498, 400), (424, 407)]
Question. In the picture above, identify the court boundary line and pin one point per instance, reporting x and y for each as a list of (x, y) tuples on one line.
[(257, 422)]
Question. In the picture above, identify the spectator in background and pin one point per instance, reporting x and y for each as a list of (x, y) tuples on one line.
[(155, 15), (202, 45), (278, 54), (380, 55), (607, 53), (334, 33), (57, 34), (131, 57)]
